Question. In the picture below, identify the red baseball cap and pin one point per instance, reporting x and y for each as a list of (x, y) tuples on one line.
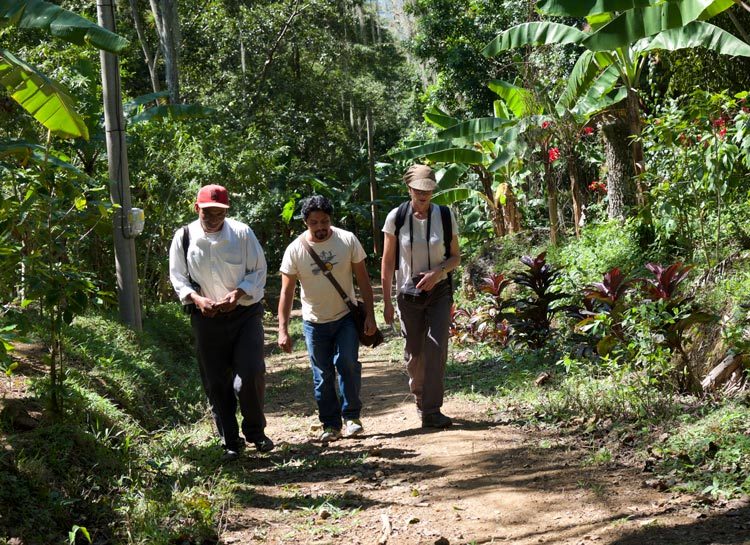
[(212, 196)]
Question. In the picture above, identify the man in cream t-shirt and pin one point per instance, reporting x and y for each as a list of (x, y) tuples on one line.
[(329, 328)]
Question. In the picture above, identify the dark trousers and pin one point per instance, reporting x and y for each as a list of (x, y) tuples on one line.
[(425, 324), (230, 357)]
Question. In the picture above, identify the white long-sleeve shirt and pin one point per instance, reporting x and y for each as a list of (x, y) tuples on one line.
[(219, 262)]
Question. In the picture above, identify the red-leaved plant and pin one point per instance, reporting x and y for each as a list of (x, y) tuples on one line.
[(533, 314)]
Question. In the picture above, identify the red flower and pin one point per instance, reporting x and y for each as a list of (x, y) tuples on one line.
[(720, 122), (588, 131), (554, 154), (546, 124), (722, 132)]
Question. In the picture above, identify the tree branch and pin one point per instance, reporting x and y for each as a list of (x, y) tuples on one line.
[(270, 55)]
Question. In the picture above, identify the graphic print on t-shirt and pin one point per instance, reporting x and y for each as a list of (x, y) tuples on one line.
[(328, 260)]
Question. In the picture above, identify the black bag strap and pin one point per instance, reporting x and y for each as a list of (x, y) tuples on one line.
[(445, 217), (329, 275), (185, 246)]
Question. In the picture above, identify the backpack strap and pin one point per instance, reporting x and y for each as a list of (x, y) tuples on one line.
[(403, 210), (445, 216), (185, 246)]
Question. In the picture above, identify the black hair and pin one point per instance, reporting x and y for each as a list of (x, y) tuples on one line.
[(316, 203)]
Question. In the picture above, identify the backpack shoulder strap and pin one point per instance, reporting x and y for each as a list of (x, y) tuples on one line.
[(185, 246), (445, 216), (403, 210)]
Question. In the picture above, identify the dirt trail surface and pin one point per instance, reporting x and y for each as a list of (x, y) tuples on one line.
[(477, 482)]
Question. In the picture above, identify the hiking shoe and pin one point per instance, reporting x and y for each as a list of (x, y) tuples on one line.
[(264, 444), (329, 434), (353, 427), (436, 420), (233, 453)]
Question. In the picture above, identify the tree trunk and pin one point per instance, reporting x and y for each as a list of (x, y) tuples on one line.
[(168, 29), (634, 123), (509, 209), (577, 193), (554, 219), (150, 59), (619, 163), (498, 223)]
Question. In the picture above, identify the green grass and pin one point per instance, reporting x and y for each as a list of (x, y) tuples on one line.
[(132, 458)]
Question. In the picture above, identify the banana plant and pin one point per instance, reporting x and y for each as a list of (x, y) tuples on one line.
[(47, 101), (481, 145), (620, 36)]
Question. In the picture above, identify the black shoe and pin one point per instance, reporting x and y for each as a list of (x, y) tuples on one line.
[(264, 444), (233, 453), (436, 420)]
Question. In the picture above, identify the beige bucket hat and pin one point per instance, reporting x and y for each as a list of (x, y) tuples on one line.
[(420, 177)]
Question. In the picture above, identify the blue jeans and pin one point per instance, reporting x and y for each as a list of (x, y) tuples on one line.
[(334, 348)]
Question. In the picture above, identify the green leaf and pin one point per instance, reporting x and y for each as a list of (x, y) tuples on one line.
[(457, 155), (60, 23), (35, 153), (288, 212), (458, 194), (421, 150), (588, 66), (696, 34), (606, 344), (509, 149), (44, 99), (537, 33), (173, 111), (449, 176), (475, 130), (130, 106), (630, 26), (518, 99), (584, 8), (592, 103), (439, 118)]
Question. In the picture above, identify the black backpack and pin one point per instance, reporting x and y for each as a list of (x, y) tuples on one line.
[(445, 216)]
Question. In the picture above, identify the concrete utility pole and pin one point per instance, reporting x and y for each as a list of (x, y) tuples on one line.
[(373, 183), (119, 181)]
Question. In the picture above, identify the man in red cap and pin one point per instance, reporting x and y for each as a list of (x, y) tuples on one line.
[(218, 270)]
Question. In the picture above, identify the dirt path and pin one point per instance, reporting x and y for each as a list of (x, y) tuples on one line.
[(477, 482)]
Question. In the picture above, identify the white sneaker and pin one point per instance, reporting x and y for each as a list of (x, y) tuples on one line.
[(329, 434), (353, 427)]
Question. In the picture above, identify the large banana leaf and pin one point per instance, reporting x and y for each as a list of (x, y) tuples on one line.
[(458, 194), (537, 33), (508, 148), (448, 177), (456, 155), (173, 111), (44, 99), (592, 103), (588, 66), (59, 22), (632, 25), (28, 151), (518, 99), (439, 118), (475, 130), (696, 34), (421, 150), (584, 8)]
